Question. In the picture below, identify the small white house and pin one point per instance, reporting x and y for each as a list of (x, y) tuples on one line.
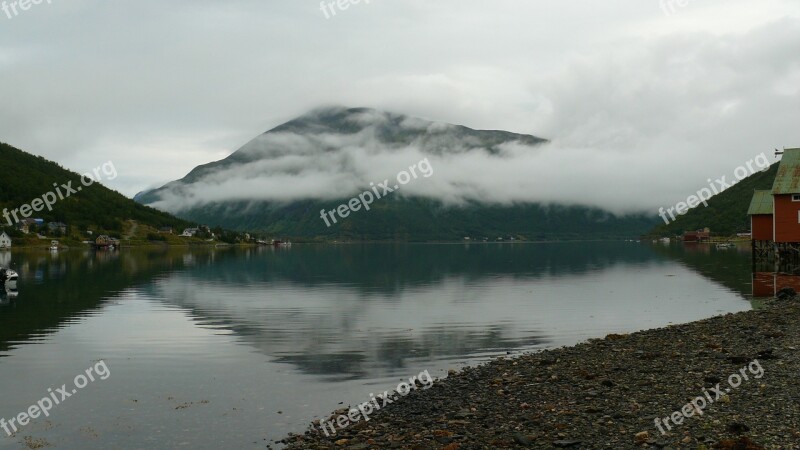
[(5, 241), (189, 232)]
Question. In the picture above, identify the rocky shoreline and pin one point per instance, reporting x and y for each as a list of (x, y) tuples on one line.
[(607, 394)]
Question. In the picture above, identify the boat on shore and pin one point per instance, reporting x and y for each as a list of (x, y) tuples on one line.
[(8, 276), (273, 243)]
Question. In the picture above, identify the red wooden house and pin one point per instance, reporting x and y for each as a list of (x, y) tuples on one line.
[(775, 214), (760, 213), (697, 236), (786, 198)]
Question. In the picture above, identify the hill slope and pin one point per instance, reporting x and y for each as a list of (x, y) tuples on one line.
[(25, 177), (726, 213), (415, 219), (331, 150)]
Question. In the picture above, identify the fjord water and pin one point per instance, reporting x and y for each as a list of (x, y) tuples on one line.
[(234, 348)]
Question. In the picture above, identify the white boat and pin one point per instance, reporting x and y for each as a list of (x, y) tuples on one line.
[(8, 276), (725, 245), (54, 245)]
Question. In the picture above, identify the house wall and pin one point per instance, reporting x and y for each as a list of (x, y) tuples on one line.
[(761, 225), (787, 223)]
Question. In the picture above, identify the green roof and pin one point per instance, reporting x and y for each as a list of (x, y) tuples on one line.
[(787, 180), (761, 203)]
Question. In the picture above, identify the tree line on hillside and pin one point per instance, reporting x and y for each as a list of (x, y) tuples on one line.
[(26, 177)]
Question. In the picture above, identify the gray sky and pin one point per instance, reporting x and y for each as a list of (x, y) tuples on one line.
[(638, 97)]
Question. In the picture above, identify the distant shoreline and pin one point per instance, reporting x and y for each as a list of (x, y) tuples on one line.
[(72, 244), (155, 244)]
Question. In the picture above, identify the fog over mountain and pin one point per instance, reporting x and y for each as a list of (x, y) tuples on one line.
[(336, 152), (281, 181)]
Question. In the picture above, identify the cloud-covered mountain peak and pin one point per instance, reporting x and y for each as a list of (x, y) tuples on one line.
[(334, 152), (333, 127)]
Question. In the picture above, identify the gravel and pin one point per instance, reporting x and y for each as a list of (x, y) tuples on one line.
[(606, 394)]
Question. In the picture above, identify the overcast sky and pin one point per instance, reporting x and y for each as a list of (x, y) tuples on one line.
[(637, 96)]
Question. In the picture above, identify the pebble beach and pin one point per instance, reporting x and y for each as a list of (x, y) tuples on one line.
[(608, 394)]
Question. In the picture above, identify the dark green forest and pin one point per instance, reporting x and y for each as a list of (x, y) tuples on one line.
[(415, 219), (25, 177), (726, 213)]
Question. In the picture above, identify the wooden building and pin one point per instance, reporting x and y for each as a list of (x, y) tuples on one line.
[(703, 235), (786, 198), (760, 213), (5, 240), (775, 214), (105, 241)]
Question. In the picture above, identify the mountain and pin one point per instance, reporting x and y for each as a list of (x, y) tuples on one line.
[(25, 177), (726, 213), (281, 181)]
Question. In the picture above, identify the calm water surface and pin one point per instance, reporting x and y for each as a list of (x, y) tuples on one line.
[(236, 348)]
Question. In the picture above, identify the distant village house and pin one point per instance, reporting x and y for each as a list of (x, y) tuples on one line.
[(189, 232), (106, 241), (5, 240), (703, 235), (25, 225)]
